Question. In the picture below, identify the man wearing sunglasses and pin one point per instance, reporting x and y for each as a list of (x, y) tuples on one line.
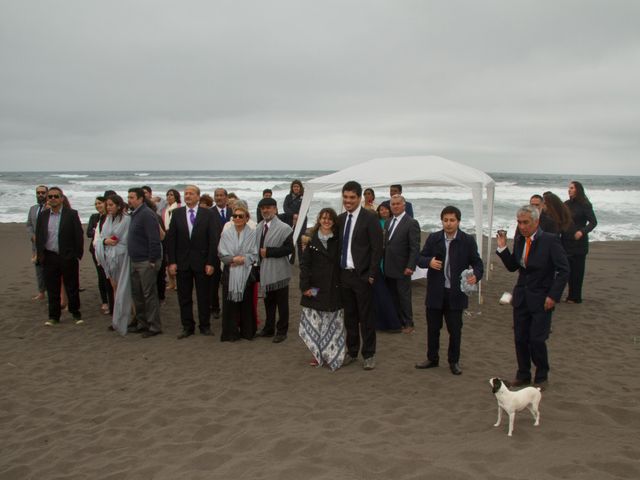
[(60, 245), (32, 223)]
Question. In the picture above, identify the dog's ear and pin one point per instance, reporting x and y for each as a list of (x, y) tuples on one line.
[(496, 384)]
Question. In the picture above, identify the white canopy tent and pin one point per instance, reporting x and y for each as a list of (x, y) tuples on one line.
[(424, 171)]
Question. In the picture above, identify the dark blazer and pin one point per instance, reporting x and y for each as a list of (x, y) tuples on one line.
[(584, 219), (463, 253), (401, 250), (201, 248), (70, 236), (320, 268), (228, 213), (545, 275), (366, 242)]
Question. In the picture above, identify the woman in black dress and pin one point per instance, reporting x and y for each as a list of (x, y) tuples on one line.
[(577, 245)]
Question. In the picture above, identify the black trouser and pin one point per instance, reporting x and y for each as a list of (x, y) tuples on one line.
[(359, 320), (576, 276), (453, 319), (185, 280), (400, 290), (531, 330), (215, 286), (162, 280), (104, 285), (57, 271), (277, 299)]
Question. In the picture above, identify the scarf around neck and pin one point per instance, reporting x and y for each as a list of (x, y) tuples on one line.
[(232, 244), (275, 272)]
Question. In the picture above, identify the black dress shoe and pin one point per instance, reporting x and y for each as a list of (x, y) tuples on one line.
[(518, 382), (262, 333), (455, 369), (541, 384), (151, 333), (135, 329), (426, 364), (206, 332), (184, 334), (279, 338)]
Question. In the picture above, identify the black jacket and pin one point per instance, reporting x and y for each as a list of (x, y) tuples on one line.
[(201, 248), (320, 268), (70, 235), (463, 253), (584, 220), (545, 275)]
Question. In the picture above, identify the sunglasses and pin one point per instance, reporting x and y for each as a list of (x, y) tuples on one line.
[(53, 196), (237, 215)]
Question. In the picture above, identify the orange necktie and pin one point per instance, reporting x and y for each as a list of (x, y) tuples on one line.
[(527, 248)]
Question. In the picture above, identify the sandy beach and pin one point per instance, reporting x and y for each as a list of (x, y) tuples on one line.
[(79, 402)]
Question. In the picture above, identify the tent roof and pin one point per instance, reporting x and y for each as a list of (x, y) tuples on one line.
[(425, 170)]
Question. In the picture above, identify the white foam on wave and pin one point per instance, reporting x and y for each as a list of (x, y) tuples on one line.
[(69, 175)]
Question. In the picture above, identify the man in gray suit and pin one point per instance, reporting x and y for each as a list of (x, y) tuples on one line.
[(401, 249), (32, 222)]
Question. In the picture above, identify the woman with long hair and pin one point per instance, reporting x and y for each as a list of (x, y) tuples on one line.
[(111, 252), (558, 214), (577, 245), (96, 221), (291, 207), (368, 201), (322, 318), (238, 252)]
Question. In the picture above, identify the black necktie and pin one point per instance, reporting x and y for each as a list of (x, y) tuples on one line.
[(264, 234), (345, 243)]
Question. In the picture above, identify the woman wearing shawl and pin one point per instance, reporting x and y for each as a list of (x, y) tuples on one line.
[(322, 318), (238, 253), (111, 252)]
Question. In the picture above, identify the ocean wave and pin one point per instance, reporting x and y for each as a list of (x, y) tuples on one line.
[(69, 175)]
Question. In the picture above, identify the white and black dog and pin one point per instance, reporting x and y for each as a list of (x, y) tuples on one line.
[(512, 402)]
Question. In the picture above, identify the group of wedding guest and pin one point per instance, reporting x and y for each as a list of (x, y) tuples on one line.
[(571, 221), (355, 271)]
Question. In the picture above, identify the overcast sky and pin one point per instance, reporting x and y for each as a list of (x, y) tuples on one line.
[(504, 86)]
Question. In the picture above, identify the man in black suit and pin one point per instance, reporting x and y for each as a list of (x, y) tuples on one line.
[(401, 248), (360, 238), (223, 213), (543, 273), (447, 254), (60, 245), (192, 250)]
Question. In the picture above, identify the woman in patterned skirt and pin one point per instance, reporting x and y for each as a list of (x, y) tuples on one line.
[(322, 318)]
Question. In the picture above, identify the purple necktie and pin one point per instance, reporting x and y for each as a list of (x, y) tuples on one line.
[(192, 216)]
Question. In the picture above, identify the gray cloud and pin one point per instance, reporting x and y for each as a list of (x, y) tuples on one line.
[(503, 86)]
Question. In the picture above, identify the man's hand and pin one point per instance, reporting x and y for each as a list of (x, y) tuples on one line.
[(263, 252), (549, 303), (408, 272), (578, 235), (208, 270), (435, 264), (501, 241), (173, 268), (472, 280), (371, 280), (307, 293)]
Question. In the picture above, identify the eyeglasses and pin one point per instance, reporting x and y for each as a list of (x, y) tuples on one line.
[(237, 215), (53, 196)]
